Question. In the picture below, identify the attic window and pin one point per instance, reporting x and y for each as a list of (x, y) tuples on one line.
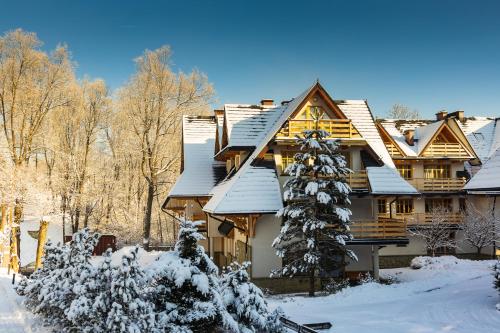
[(309, 113)]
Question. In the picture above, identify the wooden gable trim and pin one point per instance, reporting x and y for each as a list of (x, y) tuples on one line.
[(224, 132), (217, 144), (384, 132), (318, 88), (457, 130), (438, 131)]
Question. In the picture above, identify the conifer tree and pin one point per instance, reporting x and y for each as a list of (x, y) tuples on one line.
[(130, 311), (315, 228), (243, 299), (90, 309), (187, 290)]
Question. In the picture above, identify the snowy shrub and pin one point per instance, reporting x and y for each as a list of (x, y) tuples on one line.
[(334, 285), (273, 323), (365, 278), (89, 310), (496, 280), (54, 258), (57, 292), (130, 311), (315, 229), (244, 300), (186, 287), (433, 262)]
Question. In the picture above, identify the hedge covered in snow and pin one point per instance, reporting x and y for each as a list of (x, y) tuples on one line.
[(181, 291)]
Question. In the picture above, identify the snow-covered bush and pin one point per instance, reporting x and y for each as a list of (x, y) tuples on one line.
[(244, 300), (433, 262), (56, 291), (334, 285), (54, 258), (91, 306), (130, 311), (186, 287), (315, 229), (496, 279)]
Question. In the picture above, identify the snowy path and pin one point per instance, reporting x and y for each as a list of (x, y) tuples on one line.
[(11, 316), (456, 299)]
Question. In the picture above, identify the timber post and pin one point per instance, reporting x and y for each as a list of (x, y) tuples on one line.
[(14, 259), (42, 236)]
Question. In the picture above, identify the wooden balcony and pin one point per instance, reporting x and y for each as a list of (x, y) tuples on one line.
[(338, 128), (358, 180), (438, 184), (383, 228), (424, 218), (446, 149)]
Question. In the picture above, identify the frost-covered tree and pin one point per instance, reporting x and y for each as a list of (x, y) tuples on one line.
[(436, 232), (479, 229), (54, 258), (315, 228), (92, 304), (187, 289), (243, 299), (399, 111), (130, 311), (57, 294)]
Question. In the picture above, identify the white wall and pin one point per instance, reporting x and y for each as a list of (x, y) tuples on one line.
[(264, 258)]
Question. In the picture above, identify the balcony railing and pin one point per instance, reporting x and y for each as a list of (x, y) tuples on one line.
[(425, 218), (383, 228), (338, 128), (438, 184), (446, 149), (358, 180)]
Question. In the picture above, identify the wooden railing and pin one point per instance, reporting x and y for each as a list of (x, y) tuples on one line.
[(383, 228), (358, 180), (393, 151), (423, 218), (338, 128), (446, 149), (438, 184)]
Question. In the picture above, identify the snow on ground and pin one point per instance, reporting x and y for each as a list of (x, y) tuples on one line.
[(446, 295), (14, 318)]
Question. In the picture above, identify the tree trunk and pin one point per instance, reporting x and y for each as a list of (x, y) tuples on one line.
[(147, 216), (312, 279), (478, 249)]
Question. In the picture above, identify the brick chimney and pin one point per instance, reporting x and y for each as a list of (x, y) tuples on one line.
[(267, 102), (441, 115), (410, 136)]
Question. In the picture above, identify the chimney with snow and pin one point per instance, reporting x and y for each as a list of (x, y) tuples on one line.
[(409, 136), (459, 115), (441, 115), (267, 102)]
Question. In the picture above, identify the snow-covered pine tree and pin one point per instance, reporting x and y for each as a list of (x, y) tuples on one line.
[(54, 258), (187, 288), (130, 311), (92, 304), (315, 228), (57, 293), (243, 299)]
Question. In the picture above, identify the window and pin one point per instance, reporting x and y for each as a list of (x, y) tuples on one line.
[(404, 206), (437, 171), (310, 112), (287, 158), (431, 204), (382, 206), (405, 169)]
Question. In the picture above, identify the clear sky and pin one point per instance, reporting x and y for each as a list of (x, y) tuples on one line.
[(428, 55)]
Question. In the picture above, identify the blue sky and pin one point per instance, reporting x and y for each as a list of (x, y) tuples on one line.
[(428, 55)]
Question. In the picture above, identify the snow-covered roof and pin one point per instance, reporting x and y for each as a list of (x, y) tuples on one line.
[(361, 117), (483, 134), (253, 189), (487, 178), (398, 137), (247, 124), (201, 172), (424, 134), (386, 180)]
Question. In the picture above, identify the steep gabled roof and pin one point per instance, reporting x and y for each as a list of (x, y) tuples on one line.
[(387, 181), (482, 133), (255, 189), (246, 124), (424, 135), (200, 172), (397, 137), (487, 178), (361, 117)]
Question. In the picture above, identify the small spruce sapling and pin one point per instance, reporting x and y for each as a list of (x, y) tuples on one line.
[(187, 288), (315, 227)]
